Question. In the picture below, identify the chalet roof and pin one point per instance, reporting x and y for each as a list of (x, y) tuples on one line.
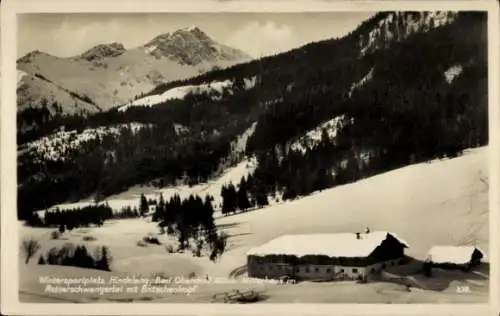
[(332, 245), (452, 254)]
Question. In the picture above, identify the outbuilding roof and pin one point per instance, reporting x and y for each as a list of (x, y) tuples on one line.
[(452, 254), (345, 245)]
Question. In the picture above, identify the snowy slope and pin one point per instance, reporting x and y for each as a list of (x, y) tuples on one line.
[(216, 89), (60, 145), (31, 90), (417, 203)]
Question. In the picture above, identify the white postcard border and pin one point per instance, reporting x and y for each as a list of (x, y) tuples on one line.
[(9, 232)]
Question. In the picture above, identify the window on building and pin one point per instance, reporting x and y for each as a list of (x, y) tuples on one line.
[(354, 270), (342, 270), (328, 269), (307, 270), (316, 270), (372, 270)]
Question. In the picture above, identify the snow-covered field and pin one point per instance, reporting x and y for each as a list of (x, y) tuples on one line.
[(438, 203)]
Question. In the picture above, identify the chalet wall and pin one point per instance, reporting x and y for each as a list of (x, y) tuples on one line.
[(271, 270)]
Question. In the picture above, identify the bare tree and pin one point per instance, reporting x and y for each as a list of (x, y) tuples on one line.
[(29, 247)]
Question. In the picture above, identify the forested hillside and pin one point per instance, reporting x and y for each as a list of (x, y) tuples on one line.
[(401, 88)]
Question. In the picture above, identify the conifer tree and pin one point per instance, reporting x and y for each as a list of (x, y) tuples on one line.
[(41, 260), (103, 259), (242, 195), (143, 205)]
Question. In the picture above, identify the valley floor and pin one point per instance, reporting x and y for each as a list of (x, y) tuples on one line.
[(438, 203)]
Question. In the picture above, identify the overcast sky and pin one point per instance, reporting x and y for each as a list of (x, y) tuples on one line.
[(255, 33)]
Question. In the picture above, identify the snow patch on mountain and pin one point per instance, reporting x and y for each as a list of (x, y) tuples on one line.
[(240, 144), (177, 93), (250, 82), (451, 73), (149, 49), (191, 28), (181, 129), (361, 82), (313, 137), (215, 88), (61, 145), (397, 26), (20, 76)]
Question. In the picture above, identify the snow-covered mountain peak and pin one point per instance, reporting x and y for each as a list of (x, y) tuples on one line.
[(103, 50), (191, 46), (107, 75)]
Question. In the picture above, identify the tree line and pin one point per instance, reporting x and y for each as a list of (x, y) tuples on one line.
[(78, 256), (72, 218), (246, 195), (192, 221)]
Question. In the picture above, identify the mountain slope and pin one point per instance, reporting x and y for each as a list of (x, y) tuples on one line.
[(109, 75), (325, 114), (35, 88)]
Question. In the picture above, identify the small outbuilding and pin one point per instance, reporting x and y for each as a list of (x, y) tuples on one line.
[(455, 257), (326, 256)]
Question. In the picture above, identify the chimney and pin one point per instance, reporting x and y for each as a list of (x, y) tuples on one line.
[(367, 230), (358, 235)]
